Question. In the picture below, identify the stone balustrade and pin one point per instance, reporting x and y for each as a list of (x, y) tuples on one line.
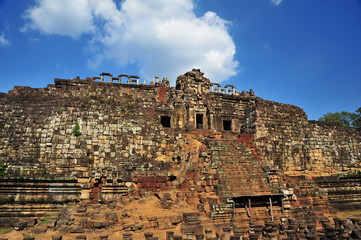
[(230, 90), (124, 79)]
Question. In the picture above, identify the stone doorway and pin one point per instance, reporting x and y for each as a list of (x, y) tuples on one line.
[(199, 121)]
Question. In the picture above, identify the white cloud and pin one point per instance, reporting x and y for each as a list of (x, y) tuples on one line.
[(164, 38), (3, 41), (64, 17), (276, 2)]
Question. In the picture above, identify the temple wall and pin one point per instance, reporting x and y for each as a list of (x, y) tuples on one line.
[(118, 126), (121, 128), (285, 138), (143, 139)]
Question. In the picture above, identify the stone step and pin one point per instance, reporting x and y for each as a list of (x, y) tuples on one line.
[(238, 168)]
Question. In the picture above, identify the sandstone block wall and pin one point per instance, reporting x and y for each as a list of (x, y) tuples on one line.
[(285, 138), (119, 131), (131, 131)]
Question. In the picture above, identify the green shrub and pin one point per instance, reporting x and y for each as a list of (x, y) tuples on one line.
[(43, 172), (76, 130), (2, 169)]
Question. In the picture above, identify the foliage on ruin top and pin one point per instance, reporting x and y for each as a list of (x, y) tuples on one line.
[(346, 119)]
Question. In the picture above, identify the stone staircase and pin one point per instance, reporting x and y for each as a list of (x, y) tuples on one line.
[(240, 172)]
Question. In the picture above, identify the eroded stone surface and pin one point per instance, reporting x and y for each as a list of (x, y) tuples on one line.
[(222, 157)]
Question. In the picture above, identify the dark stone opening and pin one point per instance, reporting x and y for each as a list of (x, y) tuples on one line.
[(227, 125), (258, 201), (172, 178), (165, 121), (199, 120)]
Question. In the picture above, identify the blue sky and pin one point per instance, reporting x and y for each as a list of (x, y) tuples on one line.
[(306, 52)]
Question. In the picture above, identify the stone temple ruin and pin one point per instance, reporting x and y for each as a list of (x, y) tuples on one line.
[(150, 161)]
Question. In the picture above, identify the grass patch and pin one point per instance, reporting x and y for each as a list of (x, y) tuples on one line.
[(5, 231), (28, 235), (45, 220)]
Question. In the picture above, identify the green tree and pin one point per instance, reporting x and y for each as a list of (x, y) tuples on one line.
[(346, 119), (357, 122)]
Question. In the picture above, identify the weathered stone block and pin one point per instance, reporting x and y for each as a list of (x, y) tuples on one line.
[(176, 219)]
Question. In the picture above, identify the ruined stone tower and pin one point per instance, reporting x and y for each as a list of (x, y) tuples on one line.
[(224, 150)]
